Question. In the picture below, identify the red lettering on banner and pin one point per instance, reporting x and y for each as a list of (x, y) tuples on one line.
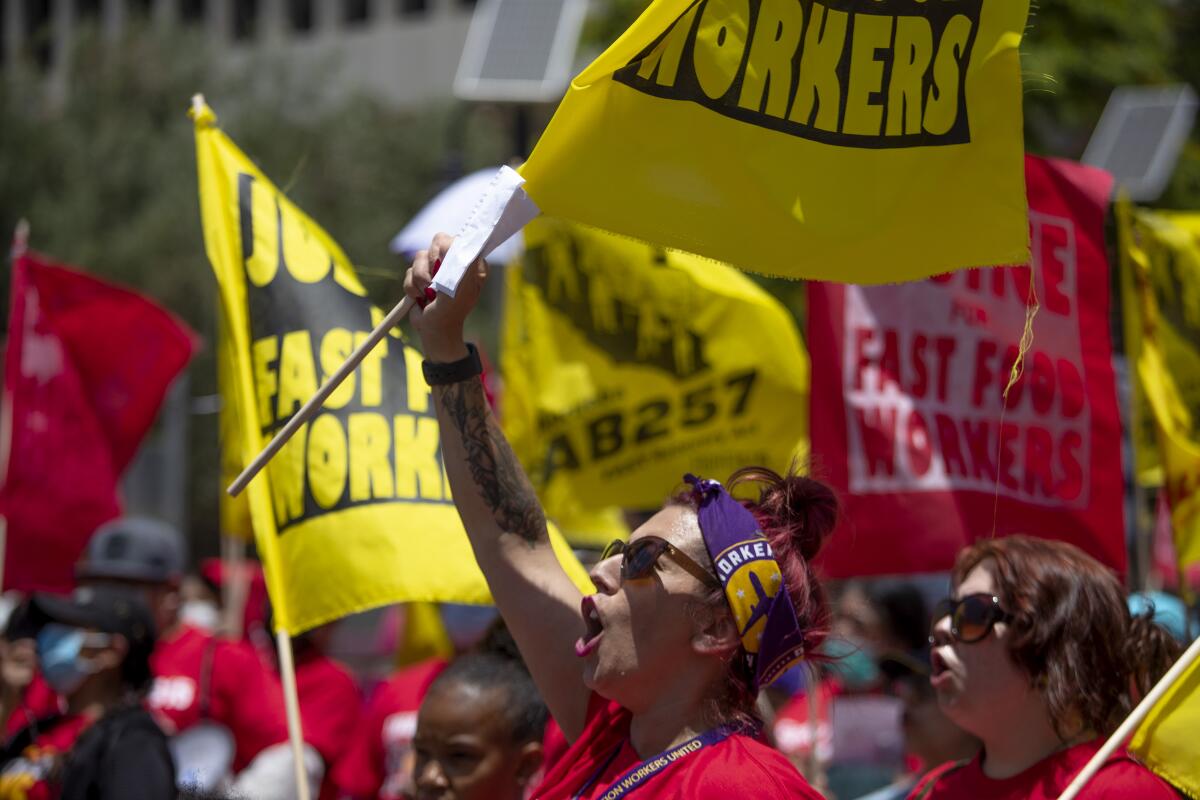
[(920, 448), (1072, 484), (879, 438), (921, 384), (862, 337), (1055, 247), (979, 445), (1070, 384), (1043, 383), (984, 352), (925, 426), (889, 363), (1039, 452), (952, 458)]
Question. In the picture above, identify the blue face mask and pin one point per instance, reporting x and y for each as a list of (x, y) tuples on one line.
[(853, 662), (59, 648)]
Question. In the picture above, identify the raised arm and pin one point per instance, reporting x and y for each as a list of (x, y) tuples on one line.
[(499, 509)]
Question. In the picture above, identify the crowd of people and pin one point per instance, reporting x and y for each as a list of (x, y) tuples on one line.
[(712, 660)]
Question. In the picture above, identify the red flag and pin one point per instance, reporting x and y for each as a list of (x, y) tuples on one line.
[(907, 380), (86, 369)]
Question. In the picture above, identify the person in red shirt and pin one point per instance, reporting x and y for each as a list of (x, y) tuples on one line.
[(378, 762), (1037, 655), (197, 676), (709, 601)]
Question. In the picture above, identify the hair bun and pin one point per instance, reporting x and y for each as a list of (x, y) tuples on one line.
[(804, 508)]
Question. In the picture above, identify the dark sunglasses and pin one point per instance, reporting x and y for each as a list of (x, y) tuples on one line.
[(639, 557), (971, 617)]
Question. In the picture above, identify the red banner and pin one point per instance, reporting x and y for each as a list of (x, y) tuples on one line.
[(86, 369), (908, 418)]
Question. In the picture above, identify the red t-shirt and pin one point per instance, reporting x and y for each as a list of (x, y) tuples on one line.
[(330, 709), (378, 762), (739, 766), (28, 776), (38, 701), (1121, 777), (199, 676)]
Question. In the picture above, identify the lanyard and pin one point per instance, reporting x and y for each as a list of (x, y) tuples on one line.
[(640, 774)]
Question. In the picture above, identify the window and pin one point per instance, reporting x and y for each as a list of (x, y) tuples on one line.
[(409, 8), (300, 15), (245, 19), (192, 12), (355, 12)]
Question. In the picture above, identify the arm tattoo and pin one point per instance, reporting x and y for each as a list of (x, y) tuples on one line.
[(498, 476)]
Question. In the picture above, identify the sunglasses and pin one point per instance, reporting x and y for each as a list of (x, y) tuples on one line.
[(639, 558), (971, 617)]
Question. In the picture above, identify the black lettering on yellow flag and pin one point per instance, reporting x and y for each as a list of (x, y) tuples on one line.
[(860, 73), (626, 366), (355, 511), (860, 141)]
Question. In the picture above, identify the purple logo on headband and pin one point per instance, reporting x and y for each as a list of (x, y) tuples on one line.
[(752, 579)]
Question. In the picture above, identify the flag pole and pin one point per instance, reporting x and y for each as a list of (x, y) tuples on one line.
[(20, 244), (1139, 714), (287, 670), (309, 409)]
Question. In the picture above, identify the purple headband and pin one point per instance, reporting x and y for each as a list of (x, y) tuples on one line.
[(753, 583)]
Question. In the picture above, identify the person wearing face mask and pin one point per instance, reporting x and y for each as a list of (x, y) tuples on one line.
[(94, 650), (198, 676), (709, 601), (1037, 655)]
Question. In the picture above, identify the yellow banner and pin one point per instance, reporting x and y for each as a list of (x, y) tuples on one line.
[(1166, 741), (1161, 269), (858, 141), (355, 511), (625, 367)]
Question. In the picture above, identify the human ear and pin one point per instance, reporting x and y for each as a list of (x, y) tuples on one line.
[(529, 762), (714, 632)]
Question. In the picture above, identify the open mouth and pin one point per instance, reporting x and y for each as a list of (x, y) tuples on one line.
[(939, 670), (593, 629)]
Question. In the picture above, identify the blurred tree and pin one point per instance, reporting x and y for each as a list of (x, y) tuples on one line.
[(106, 176)]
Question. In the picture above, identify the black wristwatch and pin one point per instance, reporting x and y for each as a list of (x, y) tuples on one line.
[(440, 374)]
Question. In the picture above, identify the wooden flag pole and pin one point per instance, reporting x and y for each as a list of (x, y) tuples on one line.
[(1189, 657), (287, 670), (309, 409)]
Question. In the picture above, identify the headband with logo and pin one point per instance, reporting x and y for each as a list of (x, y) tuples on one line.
[(753, 583)]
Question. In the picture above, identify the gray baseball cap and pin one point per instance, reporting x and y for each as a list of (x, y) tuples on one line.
[(133, 549)]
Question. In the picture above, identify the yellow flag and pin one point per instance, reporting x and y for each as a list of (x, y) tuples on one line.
[(625, 367), (1161, 268), (1166, 741), (355, 511), (234, 511), (857, 141)]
